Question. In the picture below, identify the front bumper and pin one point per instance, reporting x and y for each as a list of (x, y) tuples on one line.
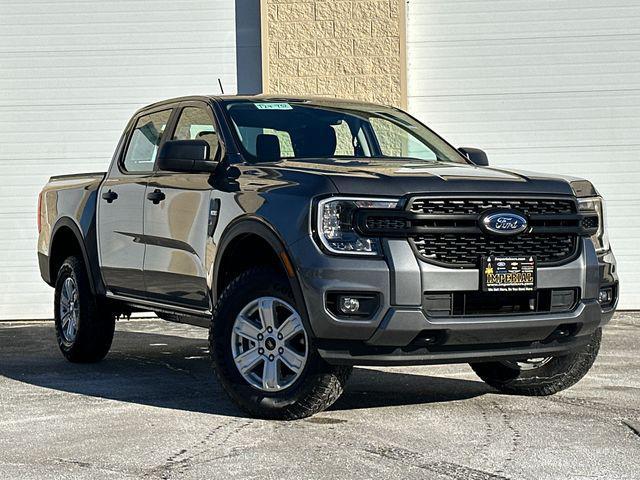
[(401, 333), (408, 337)]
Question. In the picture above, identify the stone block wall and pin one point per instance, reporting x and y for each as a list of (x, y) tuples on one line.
[(338, 48)]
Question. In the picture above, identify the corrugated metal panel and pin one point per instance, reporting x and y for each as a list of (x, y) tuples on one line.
[(71, 75), (540, 85)]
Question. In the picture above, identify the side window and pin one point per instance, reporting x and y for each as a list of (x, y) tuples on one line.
[(195, 124), (143, 147), (344, 140)]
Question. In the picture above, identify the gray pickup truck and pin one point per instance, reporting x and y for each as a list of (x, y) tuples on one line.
[(311, 235)]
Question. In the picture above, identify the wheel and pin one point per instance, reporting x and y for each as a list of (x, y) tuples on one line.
[(540, 376), (84, 328), (263, 354)]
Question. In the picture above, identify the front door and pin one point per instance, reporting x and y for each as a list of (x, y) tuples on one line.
[(120, 206), (176, 219)]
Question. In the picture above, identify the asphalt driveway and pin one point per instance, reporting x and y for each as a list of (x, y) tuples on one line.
[(153, 410)]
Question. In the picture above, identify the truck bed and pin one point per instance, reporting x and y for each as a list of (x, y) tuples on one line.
[(68, 201)]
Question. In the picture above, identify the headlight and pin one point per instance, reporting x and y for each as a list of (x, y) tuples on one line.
[(334, 224), (600, 238)]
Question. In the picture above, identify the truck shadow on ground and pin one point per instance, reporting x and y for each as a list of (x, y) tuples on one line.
[(174, 372)]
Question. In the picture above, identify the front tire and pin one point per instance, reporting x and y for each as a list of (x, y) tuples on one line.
[(84, 327), (544, 376), (263, 354)]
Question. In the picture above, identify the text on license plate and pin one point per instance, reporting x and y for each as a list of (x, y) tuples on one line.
[(508, 274)]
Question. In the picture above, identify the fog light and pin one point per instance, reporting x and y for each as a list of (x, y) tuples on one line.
[(349, 305), (605, 296), (352, 304)]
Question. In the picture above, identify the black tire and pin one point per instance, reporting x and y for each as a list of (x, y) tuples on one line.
[(557, 374), (318, 386), (95, 322)]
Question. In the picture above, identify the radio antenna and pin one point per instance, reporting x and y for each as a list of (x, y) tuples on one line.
[(221, 89)]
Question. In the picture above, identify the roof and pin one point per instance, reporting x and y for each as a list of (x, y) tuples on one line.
[(263, 97)]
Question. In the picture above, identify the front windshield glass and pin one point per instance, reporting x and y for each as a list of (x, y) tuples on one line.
[(270, 131)]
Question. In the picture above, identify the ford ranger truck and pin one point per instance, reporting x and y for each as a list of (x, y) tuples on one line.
[(310, 235)]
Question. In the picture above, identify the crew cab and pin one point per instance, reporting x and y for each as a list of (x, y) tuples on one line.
[(311, 235)]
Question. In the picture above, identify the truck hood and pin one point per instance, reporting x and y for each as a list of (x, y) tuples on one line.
[(397, 177)]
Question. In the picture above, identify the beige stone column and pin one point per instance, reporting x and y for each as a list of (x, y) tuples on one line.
[(338, 48)]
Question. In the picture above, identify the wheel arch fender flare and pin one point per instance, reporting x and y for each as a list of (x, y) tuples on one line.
[(260, 227), (95, 280)]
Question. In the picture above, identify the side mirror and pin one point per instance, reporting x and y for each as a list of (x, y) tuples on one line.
[(475, 156), (189, 156)]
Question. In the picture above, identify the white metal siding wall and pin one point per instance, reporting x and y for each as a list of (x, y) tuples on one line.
[(540, 85), (71, 74)]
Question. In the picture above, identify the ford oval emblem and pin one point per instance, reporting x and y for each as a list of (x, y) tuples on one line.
[(504, 223)]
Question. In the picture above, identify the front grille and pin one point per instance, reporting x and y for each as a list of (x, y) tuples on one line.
[(386, 223), (469, 206), (465, 250), (451, 237)]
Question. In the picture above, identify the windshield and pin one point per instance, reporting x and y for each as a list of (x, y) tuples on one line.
[(270, 131)]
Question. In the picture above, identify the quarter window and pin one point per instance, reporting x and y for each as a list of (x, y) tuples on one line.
[(196, 124), (143, 147)]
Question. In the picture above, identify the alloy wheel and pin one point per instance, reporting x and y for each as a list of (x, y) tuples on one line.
[(69, 310), (269, 344)]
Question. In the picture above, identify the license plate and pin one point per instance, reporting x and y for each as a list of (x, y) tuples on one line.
[(508, 274)]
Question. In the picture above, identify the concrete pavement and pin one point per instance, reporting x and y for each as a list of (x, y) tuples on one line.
[(152, 409)]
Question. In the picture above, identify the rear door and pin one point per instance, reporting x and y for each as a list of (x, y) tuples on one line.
[(177, 219), (121, 201)]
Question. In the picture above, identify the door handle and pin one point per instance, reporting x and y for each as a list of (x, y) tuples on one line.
[(156, 196), (110, 196)]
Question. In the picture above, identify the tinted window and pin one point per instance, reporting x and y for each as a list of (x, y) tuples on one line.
[(196, 124), (344, 140), (143, 146)]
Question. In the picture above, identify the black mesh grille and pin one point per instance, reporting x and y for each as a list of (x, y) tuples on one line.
[(464, 250), (385, 223), (451, 206)]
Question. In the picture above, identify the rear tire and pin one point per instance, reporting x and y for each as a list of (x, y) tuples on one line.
[(259, 347), (553, 374), (84, 326)]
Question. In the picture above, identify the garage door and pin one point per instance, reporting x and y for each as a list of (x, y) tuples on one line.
[(540, 85), (71, 74)]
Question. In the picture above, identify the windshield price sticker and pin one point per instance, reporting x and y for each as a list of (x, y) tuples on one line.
[(508, 274), (273, 106)]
